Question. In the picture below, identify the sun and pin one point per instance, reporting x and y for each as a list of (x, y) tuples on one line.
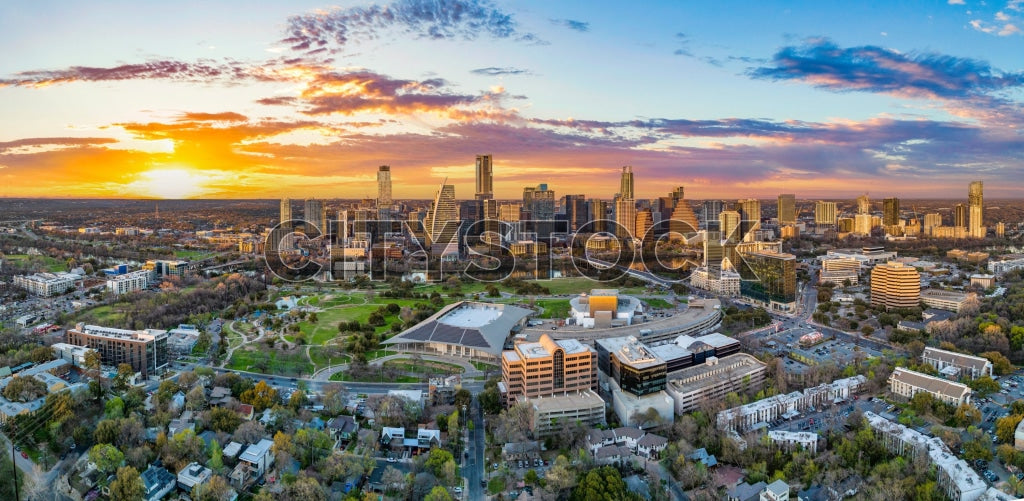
[(171, 183)]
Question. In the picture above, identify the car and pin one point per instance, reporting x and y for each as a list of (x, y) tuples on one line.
[(483, 482), (457, 490), (24, 455), (392, 460)]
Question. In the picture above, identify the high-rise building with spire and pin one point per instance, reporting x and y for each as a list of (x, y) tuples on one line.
[(787, 208), (484, 177), (626, 183), (975, 210), (384, 186)]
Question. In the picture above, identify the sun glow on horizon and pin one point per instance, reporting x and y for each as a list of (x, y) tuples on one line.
[(171, 183)]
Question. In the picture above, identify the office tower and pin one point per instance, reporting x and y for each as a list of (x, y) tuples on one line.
[(863, 204), (644, 223), (709, 214), (729, 225), (286, 213), (576, 211), (442, 220), (844, 225), (144, 350), (599, 216), (510, 212), (540, 202), (960, 216), (713, 251), (891, 212), (824, 212), (862, 224), (315, 217), (384, 186), (895, 285), (484, 178), (684, 220), (555, 367), (975, 210), (769, 277), (625, 218), (932, 220), (1000, 229), (626, 183), (787, 209), (750, 218)]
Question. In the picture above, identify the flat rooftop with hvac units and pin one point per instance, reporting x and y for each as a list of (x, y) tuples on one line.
[(464, 329)]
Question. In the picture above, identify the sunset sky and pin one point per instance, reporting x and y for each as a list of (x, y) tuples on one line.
[(304, 99)]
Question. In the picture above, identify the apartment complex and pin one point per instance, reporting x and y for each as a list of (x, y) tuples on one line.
[(956, 365), (907, 383), (746, 417), (954, 477), (46, 284), (716, 281), (790, 440), (547, 367), (144, 350), (129, 282), (895, 285)]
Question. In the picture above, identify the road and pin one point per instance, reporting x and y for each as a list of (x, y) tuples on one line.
[(474, 467)]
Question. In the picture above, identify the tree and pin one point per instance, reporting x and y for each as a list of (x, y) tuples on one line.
[(106, 457), (224, 419), (195, 398), (436, 460), (560, 476), (463, 398), (216, 456), (127, 486), (394, 480), (260, 396), (1000, 364), (123, 378), (983, 386), (215, 489), (311, 445), (297, 400), (1005, 426), (967, 415), (304, 488), (602, 484), (24, 389), (114, 408), (438, 493)]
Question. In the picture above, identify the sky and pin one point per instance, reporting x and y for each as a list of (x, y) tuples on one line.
[(299, 99)]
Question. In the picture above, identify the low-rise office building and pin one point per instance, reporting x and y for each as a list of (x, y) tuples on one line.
[(945, 300), (907, 383), (718, 282), (714, 379), (551, 413)]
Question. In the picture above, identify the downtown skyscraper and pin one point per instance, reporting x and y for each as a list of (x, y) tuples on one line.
[(787, 208), (441, 223), (626, 183), (286, 213), (891, 211), (384, 186), (315, 216), (975, 210), (484, 177)]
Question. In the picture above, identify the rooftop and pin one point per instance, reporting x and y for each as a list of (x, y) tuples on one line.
[(930, 383), (254, 452), (566, 401)]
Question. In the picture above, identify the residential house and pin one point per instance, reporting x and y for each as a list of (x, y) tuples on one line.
[(746, 492), (192, 475), (343, 427), (253, 462), (157, 482), (245, 411)]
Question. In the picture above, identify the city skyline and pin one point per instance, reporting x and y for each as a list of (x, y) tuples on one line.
[(305, 100)]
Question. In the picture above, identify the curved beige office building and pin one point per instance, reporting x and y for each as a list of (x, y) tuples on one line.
[(895, 285)]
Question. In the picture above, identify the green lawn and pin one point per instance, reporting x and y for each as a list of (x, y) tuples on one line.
[(341, 376), (47, 263), (191, 254), (320, 359), (553, 308), (657, 303), (257, 358), (424, 366), (481, 366)]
